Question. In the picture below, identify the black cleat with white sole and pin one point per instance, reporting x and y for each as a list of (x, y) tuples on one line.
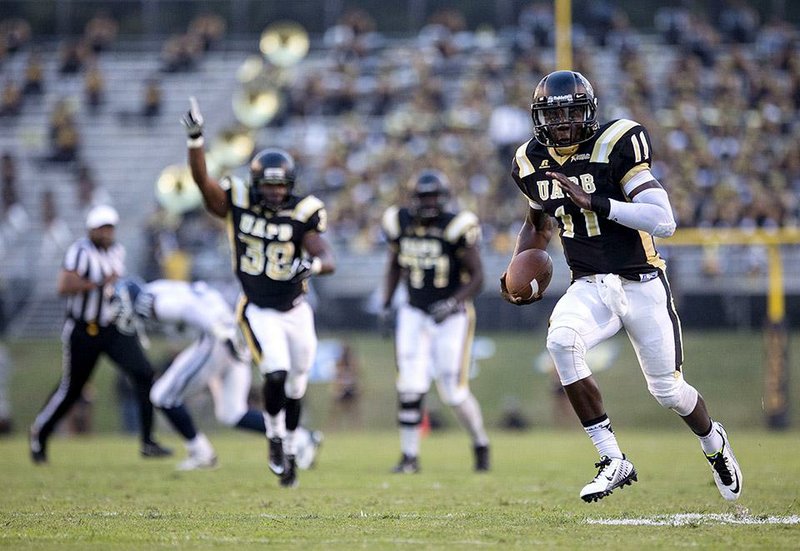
[(276, 459)]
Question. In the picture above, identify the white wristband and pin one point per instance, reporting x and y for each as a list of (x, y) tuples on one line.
[(195, 143), (316, 265)]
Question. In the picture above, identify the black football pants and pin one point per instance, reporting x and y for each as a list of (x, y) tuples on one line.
[(82, 346)]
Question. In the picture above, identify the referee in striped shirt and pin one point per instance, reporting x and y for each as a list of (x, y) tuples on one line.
[(91, 267)]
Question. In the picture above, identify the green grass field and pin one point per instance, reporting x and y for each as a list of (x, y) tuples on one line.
[(97, 493)]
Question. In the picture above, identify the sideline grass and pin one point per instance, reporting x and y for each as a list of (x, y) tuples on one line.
[(97, 493), (727, 368)]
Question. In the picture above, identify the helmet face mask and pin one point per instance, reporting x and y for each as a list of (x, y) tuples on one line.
[(430, 193), (272, 175), (564, 110)]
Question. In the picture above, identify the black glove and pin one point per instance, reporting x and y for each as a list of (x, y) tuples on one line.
[(516, 301), (192, 120), (442, 309)]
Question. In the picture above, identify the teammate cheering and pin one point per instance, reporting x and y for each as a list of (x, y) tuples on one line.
[(277, 245), (435, 252), (595, 180)]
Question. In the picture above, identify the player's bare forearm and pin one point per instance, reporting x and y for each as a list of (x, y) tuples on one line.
[(474, 268), (535, 233), (316, 246), (391, 280), (214, 197)]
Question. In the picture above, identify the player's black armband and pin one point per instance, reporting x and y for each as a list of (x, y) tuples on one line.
[(601, 205)]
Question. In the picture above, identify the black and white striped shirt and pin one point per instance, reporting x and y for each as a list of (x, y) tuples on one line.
[(94, 264)]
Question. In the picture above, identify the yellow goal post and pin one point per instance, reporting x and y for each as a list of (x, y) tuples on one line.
[(776, 365)]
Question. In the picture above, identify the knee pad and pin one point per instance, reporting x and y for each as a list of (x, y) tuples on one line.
[(158, 395), (296, 385), (568, 352), (274, 393), (229, 416), (674, 393), (409, 413), (275, 378), (451, 393)]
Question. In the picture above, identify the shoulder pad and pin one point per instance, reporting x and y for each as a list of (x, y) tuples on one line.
[(461, 223), (521, 158), (391, 222), (608, 139), (306, 208), (238, 189)]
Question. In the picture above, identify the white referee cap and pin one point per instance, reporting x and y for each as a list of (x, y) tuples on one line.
[(101, 215)]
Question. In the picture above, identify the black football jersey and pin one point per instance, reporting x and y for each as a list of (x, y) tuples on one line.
[(265, 244), (592, 244), (431, 255)]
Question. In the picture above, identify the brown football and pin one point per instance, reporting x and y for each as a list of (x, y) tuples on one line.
[(525, 268)]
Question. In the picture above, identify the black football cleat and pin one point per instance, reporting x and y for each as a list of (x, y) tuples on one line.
[(408, 464), (154, 449), (276, 458), (38, 449), (481, 458), (289, 476)]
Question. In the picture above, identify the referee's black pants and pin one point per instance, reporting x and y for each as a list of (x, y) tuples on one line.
[(82, 345)]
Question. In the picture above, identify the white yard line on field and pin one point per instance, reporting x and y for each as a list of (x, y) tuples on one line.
[(687, 519)]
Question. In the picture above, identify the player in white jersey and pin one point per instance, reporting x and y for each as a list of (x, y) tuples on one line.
[(215, 360)]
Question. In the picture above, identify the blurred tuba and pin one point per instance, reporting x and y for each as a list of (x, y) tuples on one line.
[(250, 69), (284, 43), (254, 107), (232, 147), (176, 191)]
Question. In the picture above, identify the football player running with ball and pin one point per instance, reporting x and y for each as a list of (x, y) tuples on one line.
[(277, 244), (435, 253), (595, 180)]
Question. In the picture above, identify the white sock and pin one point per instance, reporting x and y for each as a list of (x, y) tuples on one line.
[(290, 443), (469, 413), (275, 424), (409, 440), (603, 438), (711, 442)]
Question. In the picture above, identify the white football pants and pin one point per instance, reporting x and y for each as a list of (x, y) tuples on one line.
[(281, 341), (429, 351)]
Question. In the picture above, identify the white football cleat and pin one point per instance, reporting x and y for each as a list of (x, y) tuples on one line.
[(725, 468), (612, 474), (198, 461), (201, 455)]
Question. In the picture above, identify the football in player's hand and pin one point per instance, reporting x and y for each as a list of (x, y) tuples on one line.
[(529, 274)]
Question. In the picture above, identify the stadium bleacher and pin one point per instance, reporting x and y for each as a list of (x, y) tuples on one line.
[(357, 160)]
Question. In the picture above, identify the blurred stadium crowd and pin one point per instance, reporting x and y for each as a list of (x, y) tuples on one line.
[(719, 93)]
